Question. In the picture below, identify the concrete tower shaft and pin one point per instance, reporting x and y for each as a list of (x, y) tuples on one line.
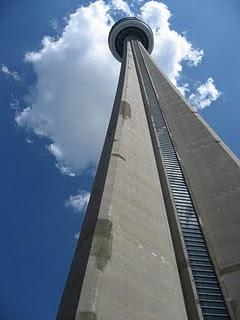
[(130, 28)]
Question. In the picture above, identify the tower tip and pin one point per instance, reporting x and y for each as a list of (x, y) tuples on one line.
[(132, 28)]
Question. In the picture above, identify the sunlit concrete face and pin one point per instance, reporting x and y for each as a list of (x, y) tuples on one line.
[(160, 235)]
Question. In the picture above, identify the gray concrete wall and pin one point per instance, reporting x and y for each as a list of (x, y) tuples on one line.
[(213, 177), (131, 272)]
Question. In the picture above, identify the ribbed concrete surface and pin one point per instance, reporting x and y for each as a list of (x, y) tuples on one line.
[(213, 176), (131, 272)]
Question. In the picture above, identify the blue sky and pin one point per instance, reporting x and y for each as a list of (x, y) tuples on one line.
[(50, 151)]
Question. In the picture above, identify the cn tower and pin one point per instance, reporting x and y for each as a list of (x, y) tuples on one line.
[(160, 239)]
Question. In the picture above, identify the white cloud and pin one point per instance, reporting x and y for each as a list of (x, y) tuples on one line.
[(184, 88), (76, 80), (54, 24), (65, 170), (78, 202), (55, 150), (122, 6), (77, 76), (170, 47), (12, 74), (205, 94), (15, 105), (194, 56), (76, 235)]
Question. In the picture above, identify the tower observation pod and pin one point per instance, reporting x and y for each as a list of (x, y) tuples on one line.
[(129, 29), (161, 233)]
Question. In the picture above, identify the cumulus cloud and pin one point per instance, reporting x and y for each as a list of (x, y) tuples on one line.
[(122, 6), (79, 201), (77, 76), (170, 47), (205, 94), (76, 80), (12, 74)]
